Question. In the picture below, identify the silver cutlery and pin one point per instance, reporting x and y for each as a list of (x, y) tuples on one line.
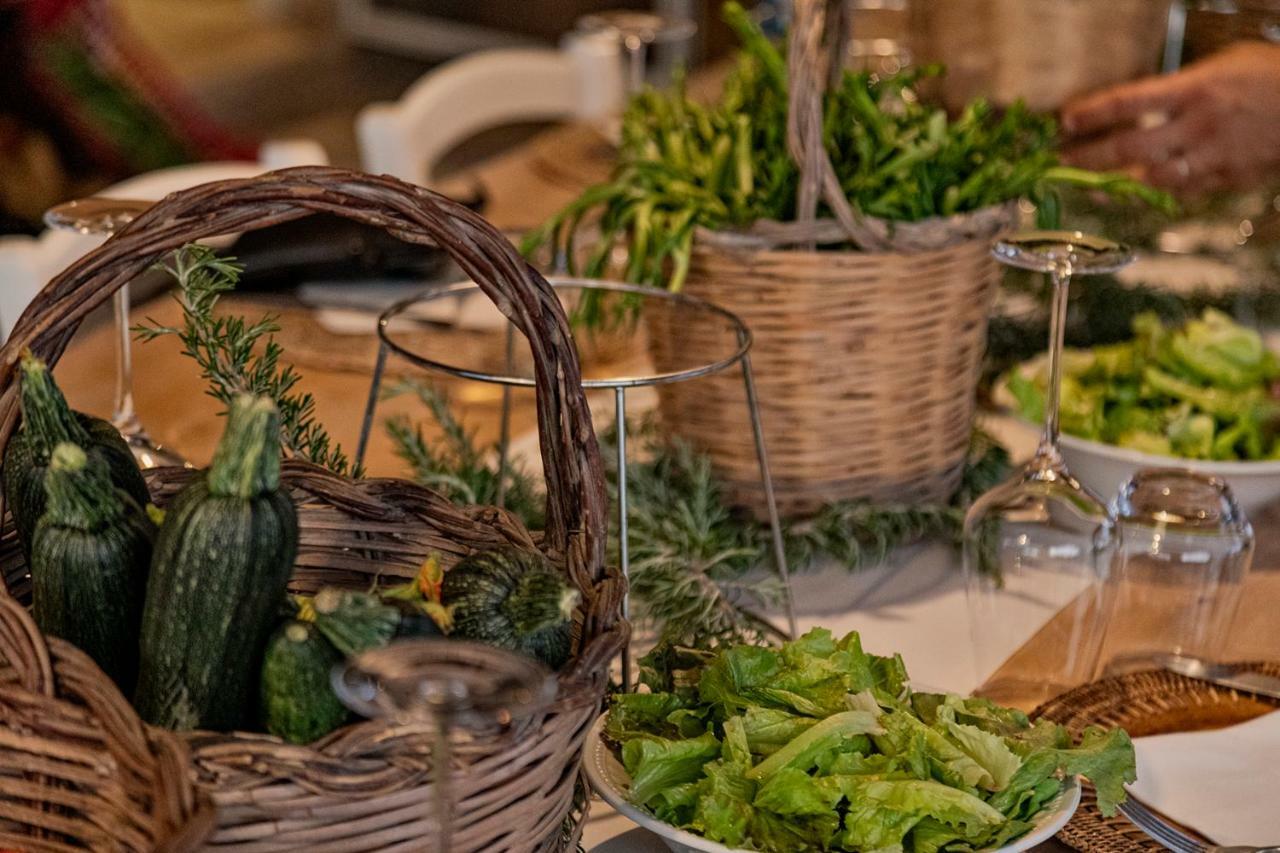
[(1223, 675), (1165, 833)]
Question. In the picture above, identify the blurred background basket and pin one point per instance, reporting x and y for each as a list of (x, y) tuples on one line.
[(363, 787), (1042, 51)]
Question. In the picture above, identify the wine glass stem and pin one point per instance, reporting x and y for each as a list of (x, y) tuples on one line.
[(635, 64), (443, 783), (1060, 280), (124, 418)]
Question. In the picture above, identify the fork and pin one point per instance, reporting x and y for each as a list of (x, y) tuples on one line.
[(1162, 831)]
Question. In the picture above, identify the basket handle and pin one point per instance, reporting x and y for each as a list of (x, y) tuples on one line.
[(576, 499), (815, 53)]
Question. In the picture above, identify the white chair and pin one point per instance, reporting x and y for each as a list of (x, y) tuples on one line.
[(27, 263), (580, 82)]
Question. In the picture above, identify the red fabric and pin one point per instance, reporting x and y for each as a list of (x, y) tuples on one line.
[(93, 29)]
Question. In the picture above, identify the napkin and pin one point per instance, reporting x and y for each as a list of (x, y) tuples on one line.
[(1223, 783)]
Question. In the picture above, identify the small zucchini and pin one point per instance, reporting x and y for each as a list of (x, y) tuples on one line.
[(47, 421), (221, 565), (512, 599), (298, 703), (89, 559)]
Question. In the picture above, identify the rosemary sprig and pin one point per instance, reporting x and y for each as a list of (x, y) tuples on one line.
[(231, 360), (455, 466)]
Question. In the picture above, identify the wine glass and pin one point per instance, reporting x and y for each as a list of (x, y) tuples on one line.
[(446, 685), (105, 216), (1037, 548), (637, 32)]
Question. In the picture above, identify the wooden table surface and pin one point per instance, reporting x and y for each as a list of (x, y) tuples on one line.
[(524, 186)]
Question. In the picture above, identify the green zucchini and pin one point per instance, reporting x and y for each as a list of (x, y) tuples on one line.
[(89, 558), (47, 421), (512, 599), (353, 621), (221, 565), (297, 701)]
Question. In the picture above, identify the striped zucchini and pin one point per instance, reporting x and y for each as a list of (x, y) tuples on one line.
[(222, 561)]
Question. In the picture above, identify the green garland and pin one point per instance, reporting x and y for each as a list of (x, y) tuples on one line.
[(700, 573)]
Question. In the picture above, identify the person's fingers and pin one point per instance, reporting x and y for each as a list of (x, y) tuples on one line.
[(1125, 104), (1135, 145), (1197, 170)]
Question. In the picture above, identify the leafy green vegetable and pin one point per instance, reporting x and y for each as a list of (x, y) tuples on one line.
[(820, 746), (1202, 390)]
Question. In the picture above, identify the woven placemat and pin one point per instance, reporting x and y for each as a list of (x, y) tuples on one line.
[(1144, 703)]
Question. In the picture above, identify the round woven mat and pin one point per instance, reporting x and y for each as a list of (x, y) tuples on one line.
[(1144, 703)]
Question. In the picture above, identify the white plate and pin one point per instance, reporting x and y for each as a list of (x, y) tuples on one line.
[(611, 782)]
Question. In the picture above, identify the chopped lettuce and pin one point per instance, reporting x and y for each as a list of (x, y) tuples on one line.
[(820, 746), (1199, 391)]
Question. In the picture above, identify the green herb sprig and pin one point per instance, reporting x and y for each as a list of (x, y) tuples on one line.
[(455, 466), (231, 360)]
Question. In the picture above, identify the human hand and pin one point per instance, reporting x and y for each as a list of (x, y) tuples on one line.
[(1213, 125)]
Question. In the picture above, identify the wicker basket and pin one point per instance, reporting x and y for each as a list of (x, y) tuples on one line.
[(363, 787), (1042, 51), (78, 770), (866, 365), (866, 361)]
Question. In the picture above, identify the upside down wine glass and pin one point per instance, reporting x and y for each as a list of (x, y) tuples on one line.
[(452, 688), (105, 216), (1038, 548)]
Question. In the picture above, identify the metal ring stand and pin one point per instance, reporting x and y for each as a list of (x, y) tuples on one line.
[(619, 385)]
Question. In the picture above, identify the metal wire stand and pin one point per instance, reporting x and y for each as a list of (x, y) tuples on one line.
[(738, 356)]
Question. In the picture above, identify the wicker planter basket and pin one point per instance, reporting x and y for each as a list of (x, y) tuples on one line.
[(866, 361), (364, 787)]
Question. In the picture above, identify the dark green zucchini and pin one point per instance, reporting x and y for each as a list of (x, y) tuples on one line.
[(221, 563), (89, 558), (47, 421), (512, 599), (297, 701)]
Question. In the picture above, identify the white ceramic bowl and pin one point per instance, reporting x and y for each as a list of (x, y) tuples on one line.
[(611, 782), (1102, 468)]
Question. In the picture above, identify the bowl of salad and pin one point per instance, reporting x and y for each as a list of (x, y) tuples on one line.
[(1202, 395), (818, 745)]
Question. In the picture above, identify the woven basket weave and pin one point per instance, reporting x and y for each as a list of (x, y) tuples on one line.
[(1041, 51), (867, 361), (866, 365), (364, 787), (78, 770)]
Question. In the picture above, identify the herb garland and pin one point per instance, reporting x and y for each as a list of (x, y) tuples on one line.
[(699, 572), (227, 350)]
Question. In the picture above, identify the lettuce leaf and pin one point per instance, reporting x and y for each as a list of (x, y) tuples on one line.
[(656, 763)]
